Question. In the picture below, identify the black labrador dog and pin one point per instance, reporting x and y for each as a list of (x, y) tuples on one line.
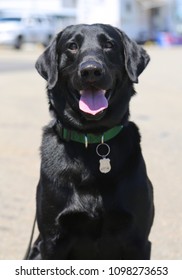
[(94, 199)]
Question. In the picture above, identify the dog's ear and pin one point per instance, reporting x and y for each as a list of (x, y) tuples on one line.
[(136, 58), (47, 64)]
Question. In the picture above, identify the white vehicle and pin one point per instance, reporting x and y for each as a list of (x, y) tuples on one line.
[(16, 30)]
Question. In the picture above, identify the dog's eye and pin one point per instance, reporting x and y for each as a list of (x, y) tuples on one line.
[(73, 47), (109, 45)]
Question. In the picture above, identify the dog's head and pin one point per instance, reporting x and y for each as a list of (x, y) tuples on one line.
[(90, 70)]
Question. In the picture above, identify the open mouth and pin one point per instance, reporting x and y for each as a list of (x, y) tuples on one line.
[(93, 101)]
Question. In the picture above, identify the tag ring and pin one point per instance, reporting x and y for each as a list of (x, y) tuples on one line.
[(108, 150)]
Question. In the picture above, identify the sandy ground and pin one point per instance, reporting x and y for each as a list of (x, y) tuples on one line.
[(157, 109)]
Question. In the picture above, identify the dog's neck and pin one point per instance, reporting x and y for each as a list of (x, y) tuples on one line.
[(86, 138)]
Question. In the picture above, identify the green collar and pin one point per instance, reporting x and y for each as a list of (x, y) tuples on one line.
[(87, 138)]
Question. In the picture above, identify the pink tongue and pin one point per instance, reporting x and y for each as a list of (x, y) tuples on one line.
[(93, 101)]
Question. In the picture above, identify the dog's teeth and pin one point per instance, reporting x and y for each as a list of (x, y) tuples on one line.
[(94, 91)]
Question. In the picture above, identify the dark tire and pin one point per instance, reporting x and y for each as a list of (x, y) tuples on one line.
[(18, 43)]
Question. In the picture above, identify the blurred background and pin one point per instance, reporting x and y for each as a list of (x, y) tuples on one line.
[(26, 28), (38, 20)]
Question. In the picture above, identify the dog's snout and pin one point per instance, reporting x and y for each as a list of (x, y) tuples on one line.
[(91, 71)]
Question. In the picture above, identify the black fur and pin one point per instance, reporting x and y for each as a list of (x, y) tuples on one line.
[(81, 212)]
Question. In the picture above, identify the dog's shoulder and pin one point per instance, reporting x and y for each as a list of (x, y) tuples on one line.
[(131, 134), (49, 137), (52, 152)]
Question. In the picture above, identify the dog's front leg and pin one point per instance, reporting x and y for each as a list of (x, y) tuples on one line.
[(55, 243)]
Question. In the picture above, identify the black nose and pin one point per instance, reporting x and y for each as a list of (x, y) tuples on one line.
[(91, 71)]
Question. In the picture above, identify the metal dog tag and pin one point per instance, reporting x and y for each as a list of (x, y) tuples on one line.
[(105, 165)]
